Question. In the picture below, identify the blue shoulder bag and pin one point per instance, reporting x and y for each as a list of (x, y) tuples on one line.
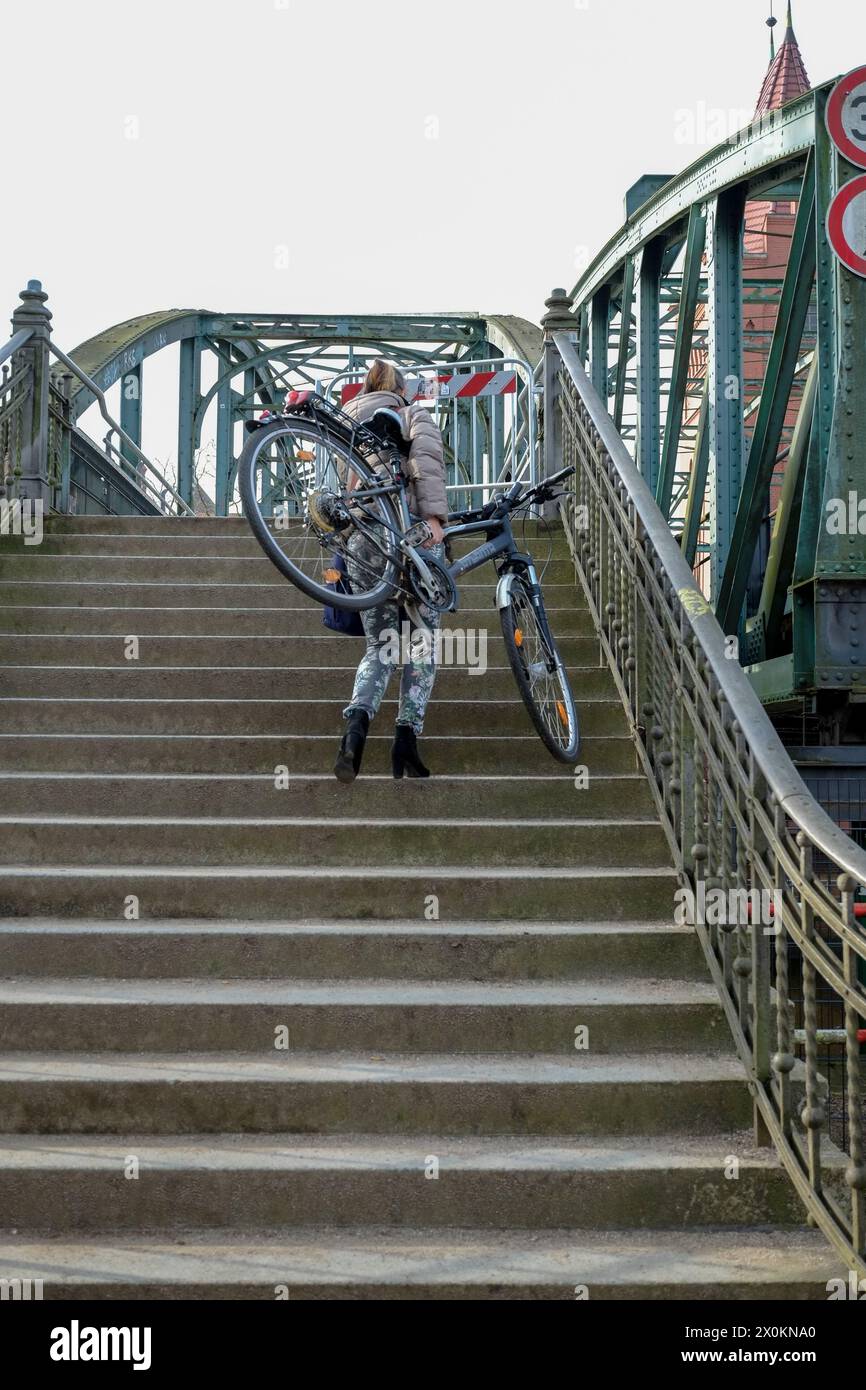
[(341, 619)]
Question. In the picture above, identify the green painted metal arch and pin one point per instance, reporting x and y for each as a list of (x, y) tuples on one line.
[(764, 153), (107, 355)]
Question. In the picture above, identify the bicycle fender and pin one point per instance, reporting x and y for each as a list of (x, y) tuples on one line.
[(503, 589)]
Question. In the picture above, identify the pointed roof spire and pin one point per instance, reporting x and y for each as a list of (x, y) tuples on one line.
[(786, 76)]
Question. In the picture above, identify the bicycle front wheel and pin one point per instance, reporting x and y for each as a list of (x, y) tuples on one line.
[(541, 678), (307, 498)]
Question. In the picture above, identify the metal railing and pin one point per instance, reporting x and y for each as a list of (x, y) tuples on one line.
[(147, 476), (37, 431), (737, 815)]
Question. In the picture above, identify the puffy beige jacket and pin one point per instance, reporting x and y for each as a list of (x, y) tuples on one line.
[(425, 465)]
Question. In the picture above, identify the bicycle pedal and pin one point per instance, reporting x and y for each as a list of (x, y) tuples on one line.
[(418, 534)]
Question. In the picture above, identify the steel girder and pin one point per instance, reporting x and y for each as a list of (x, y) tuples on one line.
[(775, 394), (688, 303), (724, 374), (712, 474), (648, 361)]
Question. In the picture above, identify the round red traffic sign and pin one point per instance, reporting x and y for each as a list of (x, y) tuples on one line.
[(846, 224), (845, 116)]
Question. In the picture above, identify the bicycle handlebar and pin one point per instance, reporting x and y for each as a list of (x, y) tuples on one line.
[(508, 501)]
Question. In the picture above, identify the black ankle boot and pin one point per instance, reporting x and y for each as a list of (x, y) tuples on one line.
[(404, 754), (348, 763)]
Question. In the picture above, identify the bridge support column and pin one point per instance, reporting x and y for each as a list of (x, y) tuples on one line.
[(189, 395), (648, 399), (599, 341), (130, 412), (623, 351), (558, 319), (724, 374), (30, 477)]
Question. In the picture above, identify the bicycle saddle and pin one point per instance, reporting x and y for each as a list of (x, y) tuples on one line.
[(386, 424)]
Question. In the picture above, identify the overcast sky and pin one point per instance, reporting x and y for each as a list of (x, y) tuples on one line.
[(321, 155)]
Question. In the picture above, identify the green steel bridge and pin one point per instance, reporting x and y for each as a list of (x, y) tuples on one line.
[(661, 318), (709, 457)]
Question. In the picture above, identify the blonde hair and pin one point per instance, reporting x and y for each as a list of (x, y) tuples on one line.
[(384, 376)]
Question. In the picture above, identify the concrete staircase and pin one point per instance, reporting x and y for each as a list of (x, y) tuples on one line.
[(159, 1141)]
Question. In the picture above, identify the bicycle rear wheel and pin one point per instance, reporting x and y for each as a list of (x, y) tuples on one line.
[(293, 478), (537, 666)]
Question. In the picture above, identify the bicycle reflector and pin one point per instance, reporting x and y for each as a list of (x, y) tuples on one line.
[(518, 637)]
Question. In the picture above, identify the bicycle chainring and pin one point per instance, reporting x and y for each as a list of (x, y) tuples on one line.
[(441, 597)]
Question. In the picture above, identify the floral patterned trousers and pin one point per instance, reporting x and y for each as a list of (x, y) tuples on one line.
[(389, 643)]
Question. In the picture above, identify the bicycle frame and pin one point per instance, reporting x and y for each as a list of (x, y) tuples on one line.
[(499, 542)]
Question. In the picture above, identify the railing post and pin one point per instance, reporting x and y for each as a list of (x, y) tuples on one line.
[(33, 480), (558, 319)]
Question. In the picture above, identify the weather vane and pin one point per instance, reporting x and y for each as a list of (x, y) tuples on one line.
[(771, 24)]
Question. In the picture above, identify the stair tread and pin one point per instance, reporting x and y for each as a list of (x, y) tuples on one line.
[(374, 1255), (349, 1153), (370, 1068), (425, 874), (564, 777), (408, 992), (293, 736), (347, 822), (292, 701), (499, 930)]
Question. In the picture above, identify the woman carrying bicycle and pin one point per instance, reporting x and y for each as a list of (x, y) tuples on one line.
[(384, 386)]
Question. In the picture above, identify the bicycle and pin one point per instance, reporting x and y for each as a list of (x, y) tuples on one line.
[(312, 479)]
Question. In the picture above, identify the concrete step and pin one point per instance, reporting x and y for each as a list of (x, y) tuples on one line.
[(278, 717), (368, 1092), (480, 951), (370, 1263), (262, 1182), (228, 892), (137, 681), (179, 635), (232, 542), (162, 566), (209, 794), (391, 838), (476, 596), (386, 1016), (301, 753)]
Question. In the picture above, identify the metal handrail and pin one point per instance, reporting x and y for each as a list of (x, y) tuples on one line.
[(15, 342), (736, 813), (184, 508)]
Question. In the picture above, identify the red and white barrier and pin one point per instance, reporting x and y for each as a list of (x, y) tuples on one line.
[(456, 386)]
